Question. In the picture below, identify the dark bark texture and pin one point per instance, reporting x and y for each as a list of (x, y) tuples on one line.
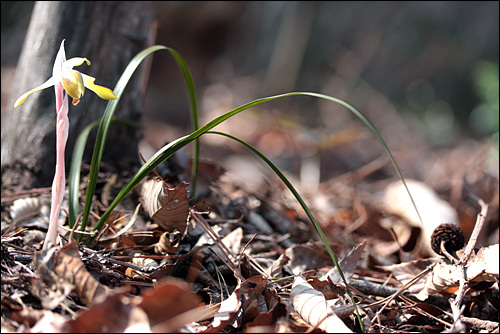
[(109, 34)]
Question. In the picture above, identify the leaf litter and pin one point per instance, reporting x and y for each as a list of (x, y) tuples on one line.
[(246, 261)]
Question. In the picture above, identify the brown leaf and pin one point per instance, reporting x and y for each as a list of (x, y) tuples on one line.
[(347, 264), (168, 243), (170, 298), (326, 287), (307, 256), (277, 266), (168, 207), (277, 309), (68, 265), (252, 297), (52, 290), (117, 314)]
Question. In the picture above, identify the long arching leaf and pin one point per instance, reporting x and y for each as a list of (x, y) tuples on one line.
[(109, 112), (316, 225), (76, 164), (166, 151)]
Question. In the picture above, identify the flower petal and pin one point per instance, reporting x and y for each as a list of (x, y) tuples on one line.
[(103, 92), (23, 97), (77, 61), (58, 63)]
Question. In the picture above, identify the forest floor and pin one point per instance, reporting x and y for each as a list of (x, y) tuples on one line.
[(248, 259)]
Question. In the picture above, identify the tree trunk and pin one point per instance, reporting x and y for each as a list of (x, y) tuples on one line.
[(109, 34)]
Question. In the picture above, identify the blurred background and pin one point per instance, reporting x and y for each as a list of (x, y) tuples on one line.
[(424, 73)]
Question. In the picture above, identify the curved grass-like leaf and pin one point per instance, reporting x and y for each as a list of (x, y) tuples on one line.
[(109, 112), (165, 152), (74, 172), (172, 147), (76, 164), (295, 193), (193, 111)]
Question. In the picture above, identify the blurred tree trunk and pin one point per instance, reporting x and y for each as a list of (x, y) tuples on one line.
[(109, 34)]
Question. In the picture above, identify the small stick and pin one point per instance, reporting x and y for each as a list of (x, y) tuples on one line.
[(215, 237), (481, 217), (464, 284), (448, 255), (400, 290)]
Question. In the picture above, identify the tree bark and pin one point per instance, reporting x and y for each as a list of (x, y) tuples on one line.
[(109, 34)]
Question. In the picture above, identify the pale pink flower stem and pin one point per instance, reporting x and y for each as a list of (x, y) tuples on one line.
[(59, 182)]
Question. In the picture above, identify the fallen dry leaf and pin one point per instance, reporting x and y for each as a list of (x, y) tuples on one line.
[(228, 308), (482, 267), (433, 210), (171, 297), (307, 256), (117, 314), (168, 207), (313, 308), (67, 265), (348, 264)]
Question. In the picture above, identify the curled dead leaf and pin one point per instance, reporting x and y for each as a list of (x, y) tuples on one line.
[(168, 243), (433, 210), (243, 305), (168, 207), (24, 208), (482, 267), (443, 276), (313, 308)]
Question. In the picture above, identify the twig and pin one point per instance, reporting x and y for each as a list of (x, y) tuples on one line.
[(400, 290), (490, 326), (448, 255), (217, 240), (464, 284), (24, 193), (458, 326), (375, 289), (481, 217), (419, 310)]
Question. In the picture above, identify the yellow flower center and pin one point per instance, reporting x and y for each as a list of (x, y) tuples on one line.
[(72, 82)]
